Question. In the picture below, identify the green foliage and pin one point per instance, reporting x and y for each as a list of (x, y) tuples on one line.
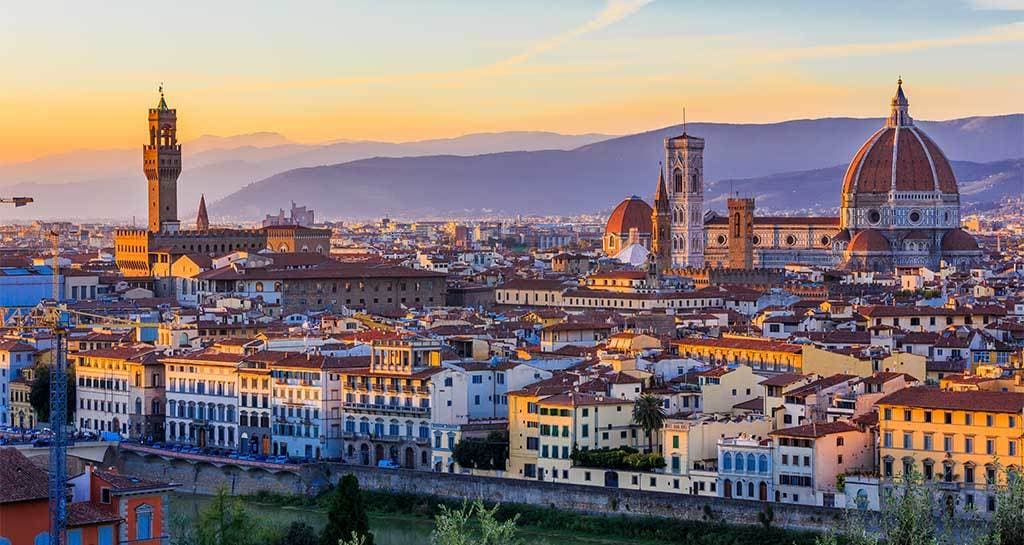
[(489, 453), (226, 522), (619, 458), (39, 394), (649, 414), (299, 533), (766, 517), (632, 528), (1007, 525), (907, 517), (473, 524), (346, 514), (356, 539)]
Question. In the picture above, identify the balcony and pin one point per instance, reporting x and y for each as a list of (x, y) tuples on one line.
[(386, 409)]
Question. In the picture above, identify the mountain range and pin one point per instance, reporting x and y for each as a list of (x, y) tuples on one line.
[(810, 154), (790, 166), (110, 183)]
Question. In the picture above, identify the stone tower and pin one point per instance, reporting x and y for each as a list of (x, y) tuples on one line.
[(684, 170), (661, 227), (741, 233), (161, 160), (202, 218)]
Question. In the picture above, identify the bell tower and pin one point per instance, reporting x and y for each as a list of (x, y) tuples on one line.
[(661, 223), (161, 160), (684, 173)]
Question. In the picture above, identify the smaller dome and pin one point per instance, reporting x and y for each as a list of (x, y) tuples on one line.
[(842, 236), (959, 240), (632, 213), (869, 240)]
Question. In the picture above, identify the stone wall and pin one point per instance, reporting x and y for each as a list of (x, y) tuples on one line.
[(205, 478)]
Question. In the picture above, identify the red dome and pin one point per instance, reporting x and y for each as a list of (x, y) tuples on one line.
[(920, 164), (869, 240), (899, 157), (632, 213), (959, 240)]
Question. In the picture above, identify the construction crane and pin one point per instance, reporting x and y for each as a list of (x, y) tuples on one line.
[(16, 201)]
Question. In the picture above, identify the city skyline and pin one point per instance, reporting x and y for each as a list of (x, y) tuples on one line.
[(615, 67)]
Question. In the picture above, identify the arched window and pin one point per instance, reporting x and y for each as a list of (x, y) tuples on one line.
[(762, 464), (739, 489), (736, 225), (143, 522), (751, 464), (677, 177), (727, 462), (259, 286), (138, 406)]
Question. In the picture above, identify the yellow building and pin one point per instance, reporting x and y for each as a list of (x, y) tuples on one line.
[(760, 354), (960, 439), (546, 422), (862, 363), (22, 414)]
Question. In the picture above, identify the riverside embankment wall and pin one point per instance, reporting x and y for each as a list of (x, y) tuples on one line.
[(205, 478)]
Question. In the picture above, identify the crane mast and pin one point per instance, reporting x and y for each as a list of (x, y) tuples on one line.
[(58, 408)]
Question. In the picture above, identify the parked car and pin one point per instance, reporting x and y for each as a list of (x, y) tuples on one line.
[(388, 464)]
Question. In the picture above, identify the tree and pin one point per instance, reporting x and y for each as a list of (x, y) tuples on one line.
[(473, 524), (226, 522), (489, 453), (39, 394), (1007, 525), (649, 415), (299, 533), (346, 514), (906, 518)]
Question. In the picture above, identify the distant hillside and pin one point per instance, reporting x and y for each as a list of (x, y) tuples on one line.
[(981, 184), (110, 183), (596, 176)]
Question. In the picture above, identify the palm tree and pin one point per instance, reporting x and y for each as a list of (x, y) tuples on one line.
[(649, 415)]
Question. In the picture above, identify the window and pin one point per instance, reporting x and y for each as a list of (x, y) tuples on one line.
[(104, 495), (968, 444), (927, 416), (143, 522), (74, 537), (106, 535)]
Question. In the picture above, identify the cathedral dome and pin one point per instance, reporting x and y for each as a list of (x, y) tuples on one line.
[(958, 240), (869, 240), (632, 213), (899, 157)]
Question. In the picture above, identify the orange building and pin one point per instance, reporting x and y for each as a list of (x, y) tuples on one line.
[(106, 508)]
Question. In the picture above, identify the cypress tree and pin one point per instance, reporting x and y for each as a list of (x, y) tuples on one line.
[(346, 514)]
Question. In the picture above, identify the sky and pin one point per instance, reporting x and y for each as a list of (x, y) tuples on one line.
[(81, 75)]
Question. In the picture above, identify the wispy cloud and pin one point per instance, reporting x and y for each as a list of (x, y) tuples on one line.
[(1007, 5), (613, 12), (1013, 32)]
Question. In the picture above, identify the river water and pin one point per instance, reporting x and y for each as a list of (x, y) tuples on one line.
[(387, 530)]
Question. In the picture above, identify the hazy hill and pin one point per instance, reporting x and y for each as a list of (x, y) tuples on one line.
[(110, 183), (596, 176), (981, 184)]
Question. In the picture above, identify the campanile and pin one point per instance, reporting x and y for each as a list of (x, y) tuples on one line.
[(161, 160)]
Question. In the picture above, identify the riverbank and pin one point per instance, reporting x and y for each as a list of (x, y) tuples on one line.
[(554, 525)]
